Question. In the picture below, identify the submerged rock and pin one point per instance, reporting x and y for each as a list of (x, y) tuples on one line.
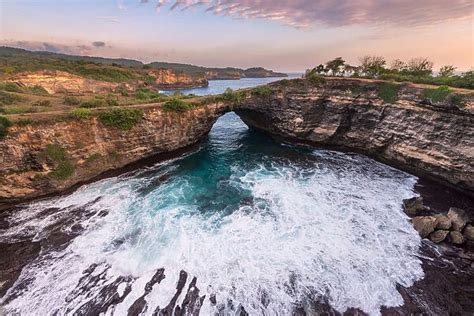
[(413, 206), (459, 218), (438, 236), (424, 225)]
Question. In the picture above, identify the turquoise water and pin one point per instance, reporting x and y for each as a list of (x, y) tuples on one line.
[(262, 225), (219, 86)]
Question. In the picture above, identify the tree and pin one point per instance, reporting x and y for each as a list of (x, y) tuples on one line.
[(351, 70), (398, 65), (320, 69), (420, 67), (335, 65), (447, 71), (372, 66)]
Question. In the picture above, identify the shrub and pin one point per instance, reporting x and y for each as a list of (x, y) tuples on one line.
[(71, 100), (437, 95), (64, 170), (4, 125), (145, 94), (177, 105), (388, 92), (123, 92), (43, 103), (10, 87), (111, 100), (37, 89), (55, 152), (19, 110), (262, 91), (121, 118), (232, 96), (81, 113), (93, 103), (457, 100), (92, 158), (24, 121), (8, 99)]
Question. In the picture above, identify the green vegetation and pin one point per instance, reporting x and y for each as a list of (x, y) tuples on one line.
[(55, 152), (177, 105), (10, 87), (96, 102), (4, 125), (146, 94), (262, 91), (121, 118), (24, 121), (9, 98), (19, 110), (313, 77), (63, 171), (92, 158), (388, 92), (81, 113), (71, 100), (437, 95), (232, 96), (57, 155), (37, 89), (457, 100), (43, 103), (416, 70)]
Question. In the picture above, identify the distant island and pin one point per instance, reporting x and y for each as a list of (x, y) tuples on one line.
[(26, 65)]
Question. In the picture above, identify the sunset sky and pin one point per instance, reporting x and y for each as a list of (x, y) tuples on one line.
[(282, 35)]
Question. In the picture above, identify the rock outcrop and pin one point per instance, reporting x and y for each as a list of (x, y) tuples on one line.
[(91, 148), (407, 130), (167, 78), (433, 139)]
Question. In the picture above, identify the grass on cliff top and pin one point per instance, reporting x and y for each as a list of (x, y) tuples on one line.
[(388, 92), (177, 105), (262, 91), (120, 118)]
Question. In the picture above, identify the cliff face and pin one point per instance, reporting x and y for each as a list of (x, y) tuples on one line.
[(61, 82), (29, 155), (167, 78), (434, 139), (412, 133)]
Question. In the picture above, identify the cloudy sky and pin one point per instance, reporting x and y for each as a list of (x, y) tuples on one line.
[(286, 35)]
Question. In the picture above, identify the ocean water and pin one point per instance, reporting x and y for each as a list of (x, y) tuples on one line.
[(219, 86), (261, 225)]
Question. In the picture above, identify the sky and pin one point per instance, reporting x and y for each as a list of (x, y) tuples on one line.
[(283, 35)]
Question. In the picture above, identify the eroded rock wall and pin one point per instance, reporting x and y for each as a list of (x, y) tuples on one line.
[(413, 133), (92, 148)]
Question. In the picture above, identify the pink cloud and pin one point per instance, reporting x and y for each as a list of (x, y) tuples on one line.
[(303, 13)]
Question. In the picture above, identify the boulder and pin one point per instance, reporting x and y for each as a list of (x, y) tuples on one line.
[(438, 236), (456, 237), (459, 218), (442, 222), (424, 225), (469, 232), (413, 206)]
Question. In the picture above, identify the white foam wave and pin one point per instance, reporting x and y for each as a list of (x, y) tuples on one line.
[(337, 233)]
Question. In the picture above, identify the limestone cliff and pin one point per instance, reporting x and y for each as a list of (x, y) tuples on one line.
[(91, 148), (396, 124), (412, 132), (167, 78)]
